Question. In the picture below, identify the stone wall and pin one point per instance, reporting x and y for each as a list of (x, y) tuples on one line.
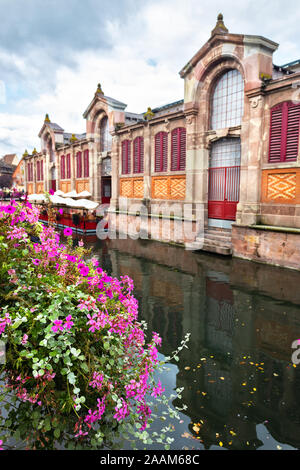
[(276, 246)]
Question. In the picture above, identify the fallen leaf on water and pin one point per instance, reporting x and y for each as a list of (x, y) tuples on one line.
[(196, 428), (187, 368), (221, 444), (222, 378)]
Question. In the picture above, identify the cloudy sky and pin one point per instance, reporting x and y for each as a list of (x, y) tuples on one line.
[(54, 52)]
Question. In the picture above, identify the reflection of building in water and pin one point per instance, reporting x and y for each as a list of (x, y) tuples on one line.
[(239, 357), (220, 313)]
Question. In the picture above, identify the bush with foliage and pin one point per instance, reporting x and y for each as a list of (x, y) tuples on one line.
[(78, 371)]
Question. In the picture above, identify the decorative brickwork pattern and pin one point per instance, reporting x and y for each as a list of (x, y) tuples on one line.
[(82, 185), (65, 186), (168, 187), (282, 186), (132, 187), (39, 188), (138, 188)]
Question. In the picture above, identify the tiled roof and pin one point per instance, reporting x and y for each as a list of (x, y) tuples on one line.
[(9, 158)]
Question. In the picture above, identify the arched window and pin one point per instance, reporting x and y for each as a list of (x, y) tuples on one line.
[(126, 157), (105, 136), (161, 151), (227, 102), (284, 132), (138, 155), (62, 167), (178, 149)]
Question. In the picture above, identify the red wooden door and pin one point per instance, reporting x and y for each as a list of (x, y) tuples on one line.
[(53, 185), (223, 192), (106, 190)]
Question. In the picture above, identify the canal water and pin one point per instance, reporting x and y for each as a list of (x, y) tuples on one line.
[(241, 387)]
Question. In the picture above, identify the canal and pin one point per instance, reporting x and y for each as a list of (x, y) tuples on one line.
[(241, 387)]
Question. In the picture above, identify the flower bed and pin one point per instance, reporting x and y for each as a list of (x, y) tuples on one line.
[(77, 368)]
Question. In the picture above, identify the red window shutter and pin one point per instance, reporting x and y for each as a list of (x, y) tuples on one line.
[(164, 152), (126, 157), (138, 155), (79, 165), (42, 170), (86, 164), (178, 149), (284, 132), (292, 133), (157, 152), (182, 143), (141, 160), (275, 134), (62, 167), (68, 166), (161, 151), (174, 149), (38, 175)]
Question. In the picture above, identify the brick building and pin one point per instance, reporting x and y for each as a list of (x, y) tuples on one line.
[(230, 146)]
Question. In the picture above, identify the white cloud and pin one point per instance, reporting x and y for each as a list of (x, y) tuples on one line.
[(149, 47)]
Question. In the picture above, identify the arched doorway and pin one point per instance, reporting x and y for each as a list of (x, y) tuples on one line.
[(227, 107)]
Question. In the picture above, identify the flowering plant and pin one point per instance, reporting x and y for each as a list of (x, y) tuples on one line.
[(75, 350)]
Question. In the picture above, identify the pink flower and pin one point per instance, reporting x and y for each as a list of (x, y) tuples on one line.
[(24, 339), (57, 326), (68, 323), (51, 192), (1, 442), (156, 339), (61, 211), (157, 390), (68, 232), (10, 209), (36, 261), (84, 271)]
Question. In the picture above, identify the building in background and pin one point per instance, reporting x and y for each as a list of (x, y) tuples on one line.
[(8, 164), (230, 146), (18, 176)]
